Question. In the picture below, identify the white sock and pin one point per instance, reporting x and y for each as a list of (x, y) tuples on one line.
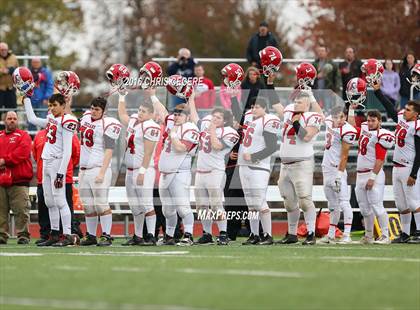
[(310, 219), (222, 224), (66, 220), (91, 224), (138, 225), (293, 221), (348, 218), (369, 221), (151, 224), (383, 223), (406, 222), (334, 218), (207, 225), (255, 226), (265, 218), (188, 222), (417, 220), (171, 222), (106, 223), (54, 214)]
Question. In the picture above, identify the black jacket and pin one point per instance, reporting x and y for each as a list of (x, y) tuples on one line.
[(253, 46), (185, 70), (406, 85), (355, 71)]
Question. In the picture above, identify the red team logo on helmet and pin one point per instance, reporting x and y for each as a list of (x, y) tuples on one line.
[(67, 83), (233, 75), (271, 59), (24, 81), (118, 76), (372, 70), (179, 86), (356, 91), (305, 75), (149, 74)]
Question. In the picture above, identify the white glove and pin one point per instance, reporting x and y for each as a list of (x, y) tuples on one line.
[(337, 182)]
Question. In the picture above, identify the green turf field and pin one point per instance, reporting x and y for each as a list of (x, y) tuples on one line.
[(210, 277)]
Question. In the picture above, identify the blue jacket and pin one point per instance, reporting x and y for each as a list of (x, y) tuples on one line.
[(45, 87)]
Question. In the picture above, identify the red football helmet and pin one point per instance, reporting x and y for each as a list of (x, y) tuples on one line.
[(372, 70), (356, 91), (415, 75), (179, 86), (271, 59), (23, 81), (305, 75), (67, 83), (118, 76), (149, 73), (233, 75)]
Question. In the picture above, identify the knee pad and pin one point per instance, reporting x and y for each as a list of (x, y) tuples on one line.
[(168, 211), (89, 209), (100, 209), (183, 211), (290, 205), (306, 203)]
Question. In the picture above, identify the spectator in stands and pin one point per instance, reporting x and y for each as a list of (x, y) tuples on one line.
[(15, 175), (405, 73), (390, 85), (349, 68), (43, 215), (44, 86), (258, 41), (8, 64), (205, 95), (253, 83)]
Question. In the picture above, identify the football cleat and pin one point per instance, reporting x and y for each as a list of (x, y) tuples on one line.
[(327, 240), (187, 240), (149, 240), (402, 238), (288, 239), (89, 240), (252, 240), (222, 239), (366, 240), (105, 240), (205, 239), (310, 239), (50, 241), (345, 240), (382, 240), (135, 240), (23, 240), (266, 240), (416, 238), (167, 240), (67, 240), (41, 240)]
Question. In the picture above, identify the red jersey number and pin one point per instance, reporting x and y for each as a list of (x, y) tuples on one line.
[(86, 135), (400, 133), (363, 145), (51, 133), (248, 137), (130, 144)]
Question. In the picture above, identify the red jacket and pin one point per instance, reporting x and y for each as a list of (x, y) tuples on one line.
[(15, 149), (205, 95), (38, 146)]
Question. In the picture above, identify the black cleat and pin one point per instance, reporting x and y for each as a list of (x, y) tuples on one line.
[(187, 240), (89, 240), (252, 240), (222, 239), (149, 240), (206, 239), (402, 238), (67, 240), (43, 239), (416, 238), (135, 240), (167, 240), (105, 240), (266, 240), (288, 239), (310, 239), (50, 241), (23, 240)]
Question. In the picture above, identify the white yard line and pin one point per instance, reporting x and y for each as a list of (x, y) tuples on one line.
[(82, 305), (238, 272), (20, 254), (71, 268), (370, 258)]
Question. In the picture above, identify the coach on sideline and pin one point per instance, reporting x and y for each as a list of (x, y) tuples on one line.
[(15, 175)]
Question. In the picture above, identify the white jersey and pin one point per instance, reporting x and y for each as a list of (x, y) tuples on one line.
[(208, 158), (367, 145), (55, 127), (92, 134), (333, 141), (254, 142), (405, 150), (293, 148), (136, 133), (171, 160)]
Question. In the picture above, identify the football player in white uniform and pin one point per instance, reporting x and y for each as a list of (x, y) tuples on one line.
[(406, 164), (143, 133), (339, 137), (180, 141), (98, 134), (299, 132), (217, 138), (56, 155), (374, 142)]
